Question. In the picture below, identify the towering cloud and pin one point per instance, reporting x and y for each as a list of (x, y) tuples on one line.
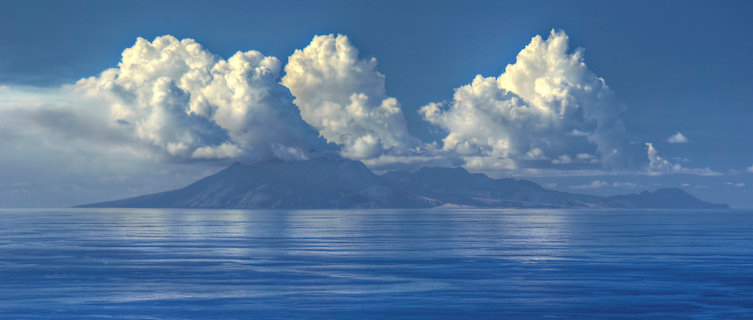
[(170, 106), (182, 100), (546, 109), (174, 100), (343, 97)]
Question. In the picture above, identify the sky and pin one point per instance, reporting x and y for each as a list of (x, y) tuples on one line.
[(101, 100)]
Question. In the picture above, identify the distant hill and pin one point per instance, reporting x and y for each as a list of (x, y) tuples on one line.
[(668, 198), (334, 182), (458, 187)]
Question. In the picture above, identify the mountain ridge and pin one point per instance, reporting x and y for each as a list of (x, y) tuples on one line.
[(338, 183)]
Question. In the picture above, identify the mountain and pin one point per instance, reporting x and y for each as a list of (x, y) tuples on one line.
[(317, 183), (667, 198), (334, 182), (458, 187)]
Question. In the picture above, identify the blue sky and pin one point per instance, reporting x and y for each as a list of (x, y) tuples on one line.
[(670, 67)]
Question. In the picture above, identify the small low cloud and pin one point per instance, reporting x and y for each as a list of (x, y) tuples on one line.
[(563, 159), (596, 184), (625, 185), (749, 169), (678, 138), (736, 184), (657, 165)]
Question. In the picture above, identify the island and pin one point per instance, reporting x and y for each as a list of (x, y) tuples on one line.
[(338, 183)]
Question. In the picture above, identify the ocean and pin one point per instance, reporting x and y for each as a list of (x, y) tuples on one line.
[(375, 264)]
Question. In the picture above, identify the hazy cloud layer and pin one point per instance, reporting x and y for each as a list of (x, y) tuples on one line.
[(596, 184), (55, 150), (547, 109), (624, 184)]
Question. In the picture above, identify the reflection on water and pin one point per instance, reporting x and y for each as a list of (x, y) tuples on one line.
[(232, 264)]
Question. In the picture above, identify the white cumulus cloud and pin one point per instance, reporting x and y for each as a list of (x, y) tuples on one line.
[(547, 105), (343, 96), (177, 97), (171, 104), (677, 138)]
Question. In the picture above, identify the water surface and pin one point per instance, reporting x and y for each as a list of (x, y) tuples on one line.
[(357, 264)]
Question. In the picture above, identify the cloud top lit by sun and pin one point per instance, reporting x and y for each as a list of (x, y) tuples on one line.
[(175, 100)]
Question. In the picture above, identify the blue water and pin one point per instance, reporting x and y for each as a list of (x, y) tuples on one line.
[(383, 264)]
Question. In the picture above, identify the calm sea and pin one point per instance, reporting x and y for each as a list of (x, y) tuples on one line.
[(380, 264)]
